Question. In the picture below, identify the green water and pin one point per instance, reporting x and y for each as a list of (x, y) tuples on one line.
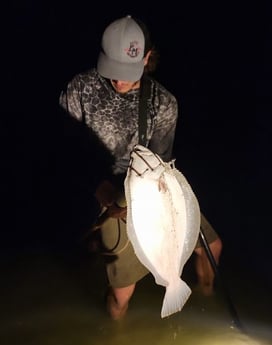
[(58, 299)]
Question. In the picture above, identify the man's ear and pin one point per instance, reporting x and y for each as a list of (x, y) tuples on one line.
[(147, 57)]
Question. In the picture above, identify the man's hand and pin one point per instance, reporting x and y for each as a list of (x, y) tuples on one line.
[(105, 193), (115, 211)]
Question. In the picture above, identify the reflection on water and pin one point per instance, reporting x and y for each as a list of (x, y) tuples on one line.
[(58, 300)]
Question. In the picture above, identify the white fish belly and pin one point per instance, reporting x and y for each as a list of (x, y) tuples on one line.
[(160, 227), (154, 233)]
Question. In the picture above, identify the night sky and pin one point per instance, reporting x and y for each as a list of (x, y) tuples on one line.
[(216, 60)]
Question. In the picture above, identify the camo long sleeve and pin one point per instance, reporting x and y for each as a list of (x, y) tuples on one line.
[(113, 117)]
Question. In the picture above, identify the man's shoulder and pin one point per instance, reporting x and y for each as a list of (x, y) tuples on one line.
[(87, 75), (162, 91), (86, 79), (161, 88)]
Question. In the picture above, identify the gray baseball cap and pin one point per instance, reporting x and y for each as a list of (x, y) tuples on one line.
[(123, 46)]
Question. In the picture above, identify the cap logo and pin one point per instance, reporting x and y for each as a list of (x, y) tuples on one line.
[(133, 50)]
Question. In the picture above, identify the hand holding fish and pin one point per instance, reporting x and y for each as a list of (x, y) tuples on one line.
[(115, 211), (106, 194)]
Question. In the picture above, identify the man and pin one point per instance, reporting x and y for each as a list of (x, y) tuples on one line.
[(107, 99)]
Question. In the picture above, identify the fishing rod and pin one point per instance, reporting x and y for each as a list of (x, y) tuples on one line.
[(233, 311)]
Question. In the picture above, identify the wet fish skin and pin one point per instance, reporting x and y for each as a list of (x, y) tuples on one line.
[(163, 220)]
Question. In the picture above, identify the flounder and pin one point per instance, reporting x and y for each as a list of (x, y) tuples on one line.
[(163, 222)]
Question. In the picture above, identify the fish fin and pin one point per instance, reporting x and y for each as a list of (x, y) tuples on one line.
[(175, 297)]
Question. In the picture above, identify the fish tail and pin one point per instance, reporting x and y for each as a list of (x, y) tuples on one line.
[(175, 297)]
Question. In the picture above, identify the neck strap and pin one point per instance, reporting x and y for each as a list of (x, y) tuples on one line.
[(145, 91)]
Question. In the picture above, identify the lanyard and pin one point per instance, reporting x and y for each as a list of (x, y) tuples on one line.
[(145, 91)]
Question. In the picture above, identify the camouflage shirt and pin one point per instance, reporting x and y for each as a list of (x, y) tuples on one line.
[(113, 117)]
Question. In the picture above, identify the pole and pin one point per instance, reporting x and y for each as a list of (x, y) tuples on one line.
[(231, 306)]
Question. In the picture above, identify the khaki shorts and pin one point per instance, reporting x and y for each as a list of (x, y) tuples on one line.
[(122, 265), (208, 231)]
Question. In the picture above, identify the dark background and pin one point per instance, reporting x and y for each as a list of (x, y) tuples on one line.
[(215, 58)]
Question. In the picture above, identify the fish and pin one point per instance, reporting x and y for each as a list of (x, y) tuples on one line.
[(163, 222)]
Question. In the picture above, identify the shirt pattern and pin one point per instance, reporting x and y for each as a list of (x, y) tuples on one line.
[(113, 117)]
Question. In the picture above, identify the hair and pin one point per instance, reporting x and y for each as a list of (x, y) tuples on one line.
[(149, 46)]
